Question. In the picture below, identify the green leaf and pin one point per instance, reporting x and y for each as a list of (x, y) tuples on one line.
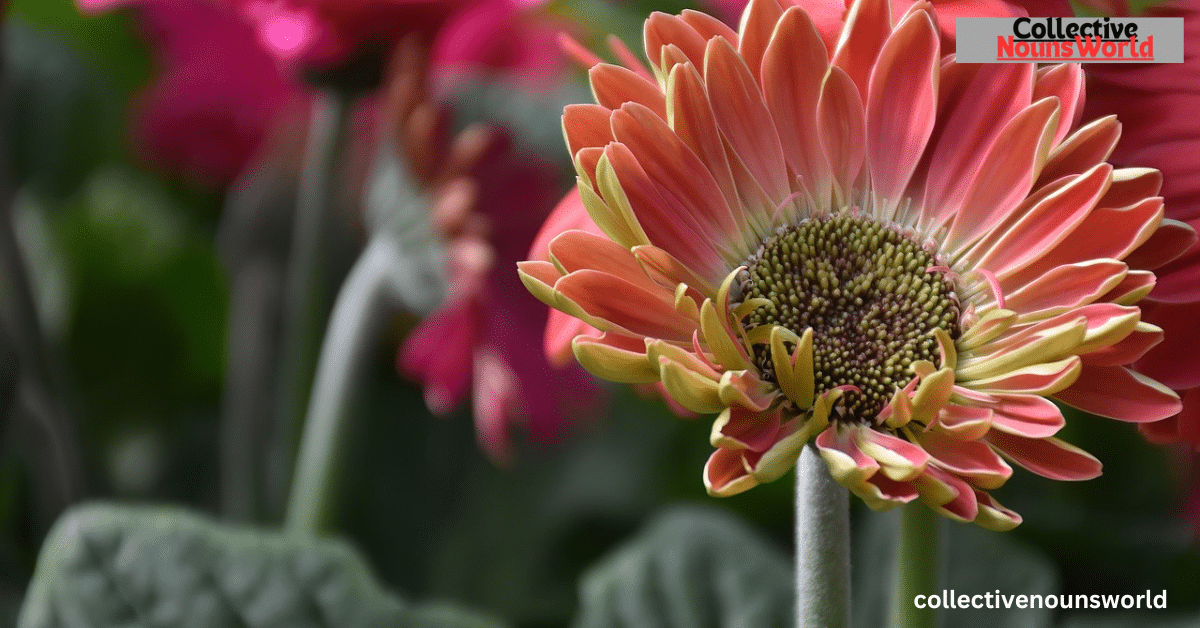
[(106, 565), (691, 568)]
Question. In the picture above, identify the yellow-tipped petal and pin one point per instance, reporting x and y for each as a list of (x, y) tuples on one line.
[(899, 460), (782, 457), (744, 308), (793, 371), (746, 389), (1110, 331), (613, 363), (987, 328), (605, 218), (1047, 345), (623, 225), (684, 304), (931, 395), (902, 410), (534, 276), (692, 390), (716, 335), (946, 348)]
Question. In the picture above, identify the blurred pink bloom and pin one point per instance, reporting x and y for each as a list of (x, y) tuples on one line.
[(510, 36), (322, 33), (1157, 105), (484, 342), (217, 96)]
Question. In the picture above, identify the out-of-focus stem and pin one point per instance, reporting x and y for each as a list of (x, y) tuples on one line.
[(366, 295), (917, 564), (253, 242), (60, 456), (305, 287), (41, 390), (822, 545)]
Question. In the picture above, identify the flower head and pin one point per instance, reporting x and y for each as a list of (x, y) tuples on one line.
[(868, 247)]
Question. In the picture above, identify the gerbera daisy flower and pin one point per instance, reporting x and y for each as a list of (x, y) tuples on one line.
[(869, 247)]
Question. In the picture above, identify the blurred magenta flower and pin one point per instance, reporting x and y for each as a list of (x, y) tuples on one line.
[(323, 33), (217, 96), (1157, 106), (509, 36), (483, 343)]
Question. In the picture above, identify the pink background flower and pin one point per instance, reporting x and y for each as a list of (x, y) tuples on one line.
[(486, 340), (217, 96), (326, 32)]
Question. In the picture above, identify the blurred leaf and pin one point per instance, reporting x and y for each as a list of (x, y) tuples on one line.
[(144, 323), (974, 562), (106, 565), (691, 568), (61, 118)]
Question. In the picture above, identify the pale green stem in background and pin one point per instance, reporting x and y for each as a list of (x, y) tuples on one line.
[(917, 566), (366, 296), (822, 545), (305, 287)]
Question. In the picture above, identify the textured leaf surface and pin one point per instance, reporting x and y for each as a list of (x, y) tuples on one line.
[(690, 568), (108, 566)]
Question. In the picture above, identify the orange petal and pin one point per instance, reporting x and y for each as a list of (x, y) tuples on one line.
[(614, 86), (742, 116)]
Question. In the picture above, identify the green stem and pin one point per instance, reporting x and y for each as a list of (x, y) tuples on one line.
[(366, 294), (917, 565), (822, 545), (306, 282)]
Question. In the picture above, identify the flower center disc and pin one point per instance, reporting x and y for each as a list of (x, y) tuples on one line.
[(865, 291)]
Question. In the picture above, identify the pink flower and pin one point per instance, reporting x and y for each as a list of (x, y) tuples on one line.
[(1157, 105), (217, 96), (321, 33), (509, 36), (867, 247), (484, 342)]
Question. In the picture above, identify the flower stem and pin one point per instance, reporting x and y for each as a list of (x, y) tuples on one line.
[(54, 445), (917, 562), (822, 545), (366, 294), (306, 284)]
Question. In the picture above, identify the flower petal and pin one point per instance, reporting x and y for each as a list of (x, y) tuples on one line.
[(907, 72), (1047, 457), (1118, 393)]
